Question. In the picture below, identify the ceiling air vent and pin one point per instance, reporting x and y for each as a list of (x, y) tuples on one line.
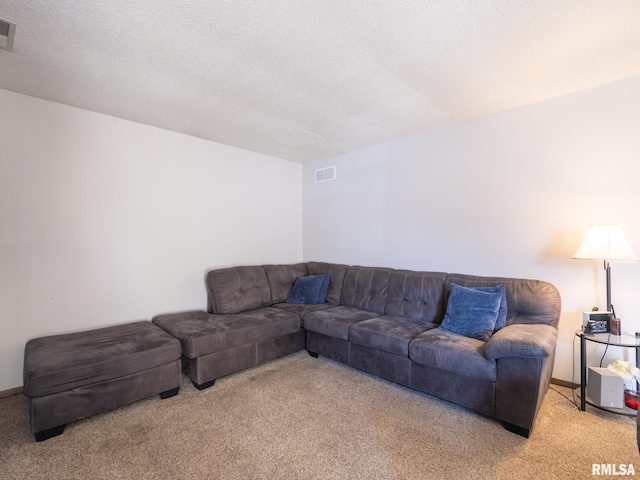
[(326, 174), (7, 32)]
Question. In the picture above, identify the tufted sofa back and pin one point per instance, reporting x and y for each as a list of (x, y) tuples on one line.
[(528, 301), (237, 289), (366, 288), (336, 273), (281, 279), (416, 295)]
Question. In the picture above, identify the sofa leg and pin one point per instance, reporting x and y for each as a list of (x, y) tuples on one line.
[(169, 393), (523, 432), (204, 385), (313, 354), (49, 432)]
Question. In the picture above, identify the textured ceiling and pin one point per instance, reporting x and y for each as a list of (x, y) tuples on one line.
[(303, 80)]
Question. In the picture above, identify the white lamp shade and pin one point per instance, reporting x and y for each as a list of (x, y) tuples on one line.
[(605, 242)]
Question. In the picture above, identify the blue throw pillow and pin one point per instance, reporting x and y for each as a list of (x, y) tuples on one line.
[(324, 287), (309, 290), (501, 321), (471, 312)]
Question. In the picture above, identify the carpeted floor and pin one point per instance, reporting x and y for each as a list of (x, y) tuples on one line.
[(305, 418)]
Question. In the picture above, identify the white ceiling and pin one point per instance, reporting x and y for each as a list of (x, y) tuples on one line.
[(306, 79)]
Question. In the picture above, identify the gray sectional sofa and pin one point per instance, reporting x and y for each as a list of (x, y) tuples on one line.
[(384, 321)]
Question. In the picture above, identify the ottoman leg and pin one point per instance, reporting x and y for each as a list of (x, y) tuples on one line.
[(169, 393), (49, 432)]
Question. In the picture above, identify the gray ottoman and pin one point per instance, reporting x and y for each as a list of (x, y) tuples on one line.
[(68, 377)]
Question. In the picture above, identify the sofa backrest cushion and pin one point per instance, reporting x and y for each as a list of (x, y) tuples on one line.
[(281, 279), (416, 295), (528, 301), (366, 288), (237, 289), (336, 273)]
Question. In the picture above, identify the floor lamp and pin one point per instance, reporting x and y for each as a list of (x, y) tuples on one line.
[(607, 243)]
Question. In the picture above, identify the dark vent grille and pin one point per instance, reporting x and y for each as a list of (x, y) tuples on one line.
[(7, 32), (4, 28)]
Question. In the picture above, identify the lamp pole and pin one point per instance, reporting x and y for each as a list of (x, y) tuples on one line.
[(607, 269)]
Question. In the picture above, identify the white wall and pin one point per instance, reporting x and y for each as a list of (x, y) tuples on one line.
[(508, 194), (105, 221)]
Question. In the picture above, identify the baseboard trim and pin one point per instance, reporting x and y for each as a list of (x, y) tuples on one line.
[(564, 383), (11, 392)]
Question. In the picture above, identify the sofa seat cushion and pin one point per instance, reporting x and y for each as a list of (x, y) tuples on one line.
[(201, 333), (302, 309), (58, 363), (388, 333), (454, 353), (335, 322)]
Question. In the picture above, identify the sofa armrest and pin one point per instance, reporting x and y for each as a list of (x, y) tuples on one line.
[(522, 340)]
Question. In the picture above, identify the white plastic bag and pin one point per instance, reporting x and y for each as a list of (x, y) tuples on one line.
[(630, 373)]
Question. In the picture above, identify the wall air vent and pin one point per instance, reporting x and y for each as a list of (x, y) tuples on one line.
[(326, 174), (7, 32)]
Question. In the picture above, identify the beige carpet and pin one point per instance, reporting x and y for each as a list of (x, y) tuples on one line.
[(305, 418)]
